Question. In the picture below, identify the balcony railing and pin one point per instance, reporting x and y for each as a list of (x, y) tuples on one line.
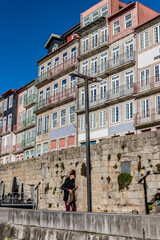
[(17, 148), (30, 100), (147, 85), (57, 70), (5, 150), (113, 94), (56, 99), (24, 124), (147, 117), (28, 142), (5, 129), (93, 45)]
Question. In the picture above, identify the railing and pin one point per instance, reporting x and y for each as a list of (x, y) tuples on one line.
[(5, 129), (70, 92), (17, 147), (56, 70), (13, 198), (45, 131), (24, 124), (144, 117), (93, 44), (5, 150), (28, 142), (39, 133), (30, 99), (147, 84), (112, 63), (112, 94)]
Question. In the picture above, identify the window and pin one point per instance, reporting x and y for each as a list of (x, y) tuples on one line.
[(55, 46), (64, 59), (27, 154), (5, 104), (129, 111), (157, 34), (9, 121), (73, 55), (157, 73), (72, 114), (0, 124), (41, 96), (39, 126), (85, 68), (85, 42), (103, 62), (20, 100), (56, 64), (115, 55), (95, 16), (63, 117), (82, 96), (104, 11), (82, 123), (43, 170), (115, 85), (103, 89), (38, 150), (115, 114), (126, 167), (158, 104), (145, 108), (144, 40), (45, 147), (144, 78), (128, 20), (42, 73), (54, 120), (64, 86), (46, 123), (86, 20), (94, 40), (48, 67), (47, 92), (129, 79), (116, 27), (32, 153), (72, 83), (94, 69), (93, 93), (129, 49), (102, 118), (55, 90), (104, 37), (92, 120)]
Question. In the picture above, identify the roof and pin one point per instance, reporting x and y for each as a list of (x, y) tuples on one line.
[(27, 85), (132, 4), (145, 23), (8, 92), (50, 38), (71, 30), (20, 90)]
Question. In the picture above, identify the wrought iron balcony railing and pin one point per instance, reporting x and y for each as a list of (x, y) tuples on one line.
[(147, 116), (5, 129), (57, 70), (30, 100), (147, 84), (28, 142), (24, 124), (17, 148), (113, 94), (56, 99), (93, 44), (4, 150)]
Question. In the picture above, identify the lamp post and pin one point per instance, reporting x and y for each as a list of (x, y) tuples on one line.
[(88, 158)]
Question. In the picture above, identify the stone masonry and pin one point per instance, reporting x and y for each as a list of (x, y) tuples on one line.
[(142, 151)]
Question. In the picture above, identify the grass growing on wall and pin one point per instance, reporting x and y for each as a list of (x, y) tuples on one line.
[(124, 180)]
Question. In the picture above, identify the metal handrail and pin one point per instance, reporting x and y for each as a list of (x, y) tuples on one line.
[(150, 83), (30, 99), (149, 115)]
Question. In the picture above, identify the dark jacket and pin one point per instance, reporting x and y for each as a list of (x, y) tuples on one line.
[(68, 184)]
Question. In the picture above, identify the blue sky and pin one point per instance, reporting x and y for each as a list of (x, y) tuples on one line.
[(26, 25)]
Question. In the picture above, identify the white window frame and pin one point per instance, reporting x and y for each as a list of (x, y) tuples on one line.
[(63, 118), (54, 120), (82, 123), (103, 61), (85, 68), (158, 34), (114, 118), (129, 77), (92, 120), (102, 118), (95, 15), (157, 76), (115, 84), (104, 35), (94, 40), (71, 115), (94, 66), (147, 106), (103, 89), (5, 104), (146, 80), (115, 28), (144, 40), (86, 22), (104, 10), (11, 101), (129, 105), (46, 150), (85, 44), (39, 154), (93, 93), (127, 21)]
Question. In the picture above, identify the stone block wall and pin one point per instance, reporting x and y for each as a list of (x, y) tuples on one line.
[(142, 151)]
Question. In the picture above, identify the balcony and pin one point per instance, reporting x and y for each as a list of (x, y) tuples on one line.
[(147, 118), (147, 87), (116, 95), (5, 150), (28, 143), (92, 48), (56, 72), (56, 100), (5, 130), (30, 101), (17, 148), (24, 125)]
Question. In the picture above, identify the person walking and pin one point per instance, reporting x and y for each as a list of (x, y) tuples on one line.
[(69, 189)]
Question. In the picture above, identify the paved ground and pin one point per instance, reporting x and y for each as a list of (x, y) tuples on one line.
[(3, 215)]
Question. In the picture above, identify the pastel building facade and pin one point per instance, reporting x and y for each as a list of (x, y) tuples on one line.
[(108, 50), (55, 110), (147, 90)]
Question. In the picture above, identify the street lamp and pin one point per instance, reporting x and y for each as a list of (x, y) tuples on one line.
[(88, 158)]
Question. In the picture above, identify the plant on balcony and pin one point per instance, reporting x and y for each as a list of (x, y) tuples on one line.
[(124, 180)]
